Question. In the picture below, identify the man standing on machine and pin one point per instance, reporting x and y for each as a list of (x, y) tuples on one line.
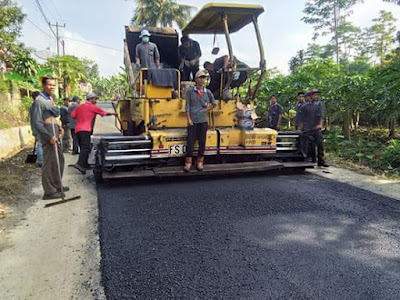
[(189, 54)]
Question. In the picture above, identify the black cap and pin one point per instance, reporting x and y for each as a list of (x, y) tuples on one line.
[(300, 94)]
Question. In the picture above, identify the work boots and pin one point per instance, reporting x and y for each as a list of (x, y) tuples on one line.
[(200, 163), (188, 164)]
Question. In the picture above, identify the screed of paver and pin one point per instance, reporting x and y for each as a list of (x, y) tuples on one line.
[(54, 252)]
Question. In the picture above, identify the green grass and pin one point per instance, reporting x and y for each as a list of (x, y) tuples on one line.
[(4, 124)]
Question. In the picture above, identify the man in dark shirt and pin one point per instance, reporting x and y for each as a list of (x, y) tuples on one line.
[(189, 54), (65, 122), (216, 70), (312, 117), (297, 108), (75, 103), (45, 124), (275, 112)]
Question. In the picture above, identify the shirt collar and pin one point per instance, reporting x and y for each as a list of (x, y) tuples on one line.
[(196, 90), (47, 96)]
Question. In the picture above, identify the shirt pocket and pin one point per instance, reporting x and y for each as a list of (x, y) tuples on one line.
[(151, 52)]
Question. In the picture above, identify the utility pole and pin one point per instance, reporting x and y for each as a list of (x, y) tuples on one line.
[(57, 35), (58, 54)]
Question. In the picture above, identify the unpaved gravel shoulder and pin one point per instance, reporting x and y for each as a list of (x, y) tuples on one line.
[(54, 252), (375, 184)]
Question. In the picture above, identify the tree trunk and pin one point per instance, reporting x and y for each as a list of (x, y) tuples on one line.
[(346, 126), (392, 128), (336, 24), (356, 119)]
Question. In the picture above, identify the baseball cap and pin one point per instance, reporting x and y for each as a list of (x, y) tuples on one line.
[(75, 98), (91, 96), (201, 73), (314, 91), (144, 32)]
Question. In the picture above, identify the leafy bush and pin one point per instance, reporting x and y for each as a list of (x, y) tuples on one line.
[(391, 155)]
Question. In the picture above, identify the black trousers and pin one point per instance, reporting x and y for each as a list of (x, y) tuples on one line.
[(75, 147), (84, 145), (187, 71), (317, 142), (196, 132)]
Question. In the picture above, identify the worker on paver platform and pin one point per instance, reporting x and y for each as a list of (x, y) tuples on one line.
[(45, 123), (147, 54), (189, 54), (84, 115), (199, 100)]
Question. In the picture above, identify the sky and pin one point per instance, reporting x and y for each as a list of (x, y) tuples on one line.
[(95, 29)]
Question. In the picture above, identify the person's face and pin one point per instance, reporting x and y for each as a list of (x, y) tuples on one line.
[(200, 80), (66, 103), (49, 87), (145, 39), (93, 100), (272, 100), (300, 98), (314, 97)]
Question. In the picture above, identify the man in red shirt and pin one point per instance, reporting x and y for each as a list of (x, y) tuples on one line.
[(84, 115)]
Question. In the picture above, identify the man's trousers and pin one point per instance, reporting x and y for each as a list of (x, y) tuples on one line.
[(51, 180)]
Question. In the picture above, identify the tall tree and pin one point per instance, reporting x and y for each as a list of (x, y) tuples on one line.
[(383, 34), (72, 71), (11, 18), (327, 16), (162, 13)]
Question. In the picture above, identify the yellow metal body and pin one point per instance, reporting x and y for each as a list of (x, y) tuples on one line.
[(165, 121)]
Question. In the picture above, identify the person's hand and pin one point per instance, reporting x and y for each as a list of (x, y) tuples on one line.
[(61, 132), (137, 66), (53, 140), (209, 106), (190, 122)]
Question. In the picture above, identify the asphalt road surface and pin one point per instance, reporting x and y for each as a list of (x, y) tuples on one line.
[(251, 237)]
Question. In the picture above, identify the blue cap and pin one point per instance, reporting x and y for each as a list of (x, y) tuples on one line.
[(144, 32), (91, 96), (75, 98)]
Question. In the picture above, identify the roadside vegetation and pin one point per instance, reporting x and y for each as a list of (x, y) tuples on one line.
[(358, 75)]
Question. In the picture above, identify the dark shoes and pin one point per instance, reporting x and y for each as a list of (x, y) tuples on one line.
[(65, 189), (323, 164), (80, 168), (57, 195)]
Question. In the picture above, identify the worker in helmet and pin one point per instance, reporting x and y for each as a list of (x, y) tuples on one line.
[(147, 54)]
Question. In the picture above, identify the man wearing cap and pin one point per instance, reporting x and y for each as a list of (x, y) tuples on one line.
[(199, 101), (75, 103), (275, 112), (311, 122), (189, 54), (147, 54), (299, 105), (84, 115), (47, 128)]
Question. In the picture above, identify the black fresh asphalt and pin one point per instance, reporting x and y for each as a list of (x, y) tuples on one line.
[(253, 237)]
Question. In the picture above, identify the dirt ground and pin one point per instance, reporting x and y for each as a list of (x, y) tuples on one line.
[(47, 253), (17, 179)]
